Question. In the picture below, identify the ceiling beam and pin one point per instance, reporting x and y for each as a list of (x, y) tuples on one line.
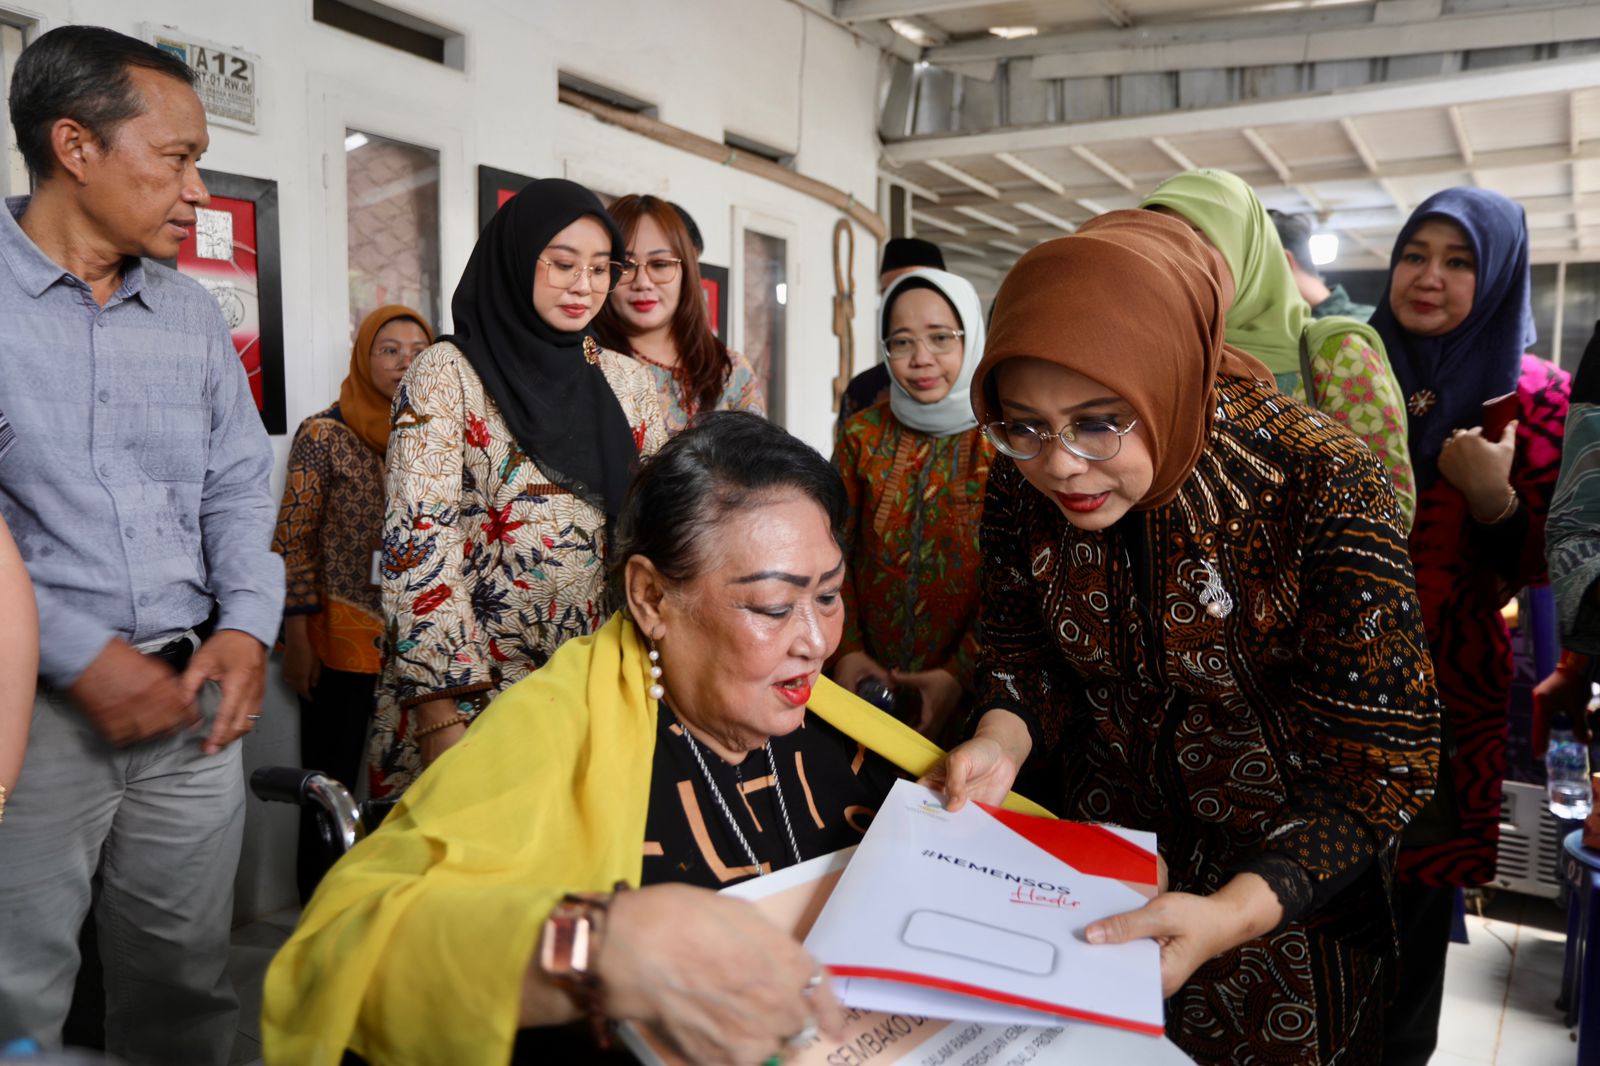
[(1115, 14), (964, 178), (1265, 151), (1103, 167), (1171, 151), (1475, 86), (1445, 167), (1459, 129), (1448, 34), (1359, 143), (1045, 216), (909, 185), (870, 10), (1144, 36), (988, 220), (1007, 246), (1031, 172), (938, 223)]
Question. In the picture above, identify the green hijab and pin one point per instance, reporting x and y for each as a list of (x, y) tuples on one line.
[(1269, 316)]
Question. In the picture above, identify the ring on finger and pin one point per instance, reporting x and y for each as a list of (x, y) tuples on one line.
[(252, 718), (807, 1033), (813, 982)]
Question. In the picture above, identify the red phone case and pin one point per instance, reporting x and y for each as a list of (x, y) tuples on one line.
[(1497, 414)]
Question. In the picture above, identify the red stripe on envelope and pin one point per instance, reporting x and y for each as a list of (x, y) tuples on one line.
[(1090, 849), (998, 997)]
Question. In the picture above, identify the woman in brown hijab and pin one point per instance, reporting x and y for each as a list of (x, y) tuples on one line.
[(330, 527), (1199, 620)]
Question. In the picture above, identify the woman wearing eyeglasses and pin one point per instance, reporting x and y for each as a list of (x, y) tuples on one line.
[(1199, 617), (914, 471), (657, 314), (513, 442)]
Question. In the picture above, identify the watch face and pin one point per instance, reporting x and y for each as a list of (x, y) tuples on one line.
[(564, 948)]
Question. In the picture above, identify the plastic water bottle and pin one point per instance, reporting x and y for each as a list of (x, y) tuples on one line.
[(1566, 767)]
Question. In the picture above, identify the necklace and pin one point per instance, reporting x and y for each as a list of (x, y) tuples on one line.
[(727, 813)]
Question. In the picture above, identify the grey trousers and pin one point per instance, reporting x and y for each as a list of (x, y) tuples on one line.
[(162, 824)]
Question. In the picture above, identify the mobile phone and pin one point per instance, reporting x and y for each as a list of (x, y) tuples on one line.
[(1497, 414)]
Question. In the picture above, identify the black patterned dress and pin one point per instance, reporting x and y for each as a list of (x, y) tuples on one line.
[(1244, 672)]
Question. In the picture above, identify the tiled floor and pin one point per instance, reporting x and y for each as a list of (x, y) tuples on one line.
[(1499, 1003)]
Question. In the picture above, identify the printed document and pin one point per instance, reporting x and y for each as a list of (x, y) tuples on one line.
[(979, 915)]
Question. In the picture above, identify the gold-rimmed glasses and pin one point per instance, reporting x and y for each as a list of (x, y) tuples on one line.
[(603, 277), (938, 342), (1094, 439), (660, 269)]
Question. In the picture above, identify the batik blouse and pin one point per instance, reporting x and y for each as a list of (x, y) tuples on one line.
[(911, 537), (1465, 573), (1244, 672), (330, 526), (741, 393), (1354, 384), (488, 566)]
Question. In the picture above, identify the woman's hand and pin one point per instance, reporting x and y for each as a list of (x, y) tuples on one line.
[(710, 972), (855, 667), (1192, 929), (984, 767), (439, 741), (940, 692), (301, 667), (1481, 469)]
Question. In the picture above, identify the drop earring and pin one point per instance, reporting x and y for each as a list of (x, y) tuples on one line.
[(655, 690)]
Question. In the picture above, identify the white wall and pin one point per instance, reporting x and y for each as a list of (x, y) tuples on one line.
[(764, 69)]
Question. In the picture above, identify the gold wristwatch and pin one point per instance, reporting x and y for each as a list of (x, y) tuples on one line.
[(569, 948)]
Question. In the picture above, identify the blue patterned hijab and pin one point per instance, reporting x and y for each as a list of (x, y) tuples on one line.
[(1482, 357)]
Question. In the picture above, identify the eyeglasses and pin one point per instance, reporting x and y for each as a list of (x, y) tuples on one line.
[(661, 270), (390, 353), (602, 277), (939, 342), (1094, 439)]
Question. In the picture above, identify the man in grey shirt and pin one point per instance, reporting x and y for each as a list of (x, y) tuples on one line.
[(138, 493)]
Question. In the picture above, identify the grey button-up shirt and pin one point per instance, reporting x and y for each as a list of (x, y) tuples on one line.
[(138, 489)]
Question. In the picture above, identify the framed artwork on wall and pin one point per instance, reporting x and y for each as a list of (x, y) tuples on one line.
[(495, 187), (714, 283), (234, 253)]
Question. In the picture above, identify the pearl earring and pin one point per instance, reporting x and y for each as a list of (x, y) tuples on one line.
[(655, 689)]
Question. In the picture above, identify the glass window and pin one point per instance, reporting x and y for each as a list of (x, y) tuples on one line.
[(393, 228), (1580, 312), (766, 299)]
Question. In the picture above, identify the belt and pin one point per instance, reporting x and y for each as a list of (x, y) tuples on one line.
[(177, 652)]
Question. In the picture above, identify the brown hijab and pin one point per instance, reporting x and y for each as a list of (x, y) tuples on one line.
[(364, 408), (1132, 302)]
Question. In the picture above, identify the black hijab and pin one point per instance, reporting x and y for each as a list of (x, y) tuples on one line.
[(558, 406)]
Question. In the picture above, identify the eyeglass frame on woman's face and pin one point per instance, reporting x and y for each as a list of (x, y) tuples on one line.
[(887, 344), (630, 269), (1065, 436), (611, 271)]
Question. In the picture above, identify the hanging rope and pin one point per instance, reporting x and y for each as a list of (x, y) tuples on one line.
[(844, 304)]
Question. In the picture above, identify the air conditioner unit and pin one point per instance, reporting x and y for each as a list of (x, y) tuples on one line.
[(1530, 842)]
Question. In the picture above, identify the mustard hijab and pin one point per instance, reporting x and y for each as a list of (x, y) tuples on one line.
[(415, 945), (1268, 316), (365, 409)]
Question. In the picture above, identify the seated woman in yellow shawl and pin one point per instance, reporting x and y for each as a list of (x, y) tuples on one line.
[(688, 744)]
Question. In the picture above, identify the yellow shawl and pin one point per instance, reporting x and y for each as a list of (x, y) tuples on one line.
[(414, 948)]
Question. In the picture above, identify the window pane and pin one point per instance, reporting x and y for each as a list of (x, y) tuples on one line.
[(766, 298), (393, 206), (1581, 313)]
